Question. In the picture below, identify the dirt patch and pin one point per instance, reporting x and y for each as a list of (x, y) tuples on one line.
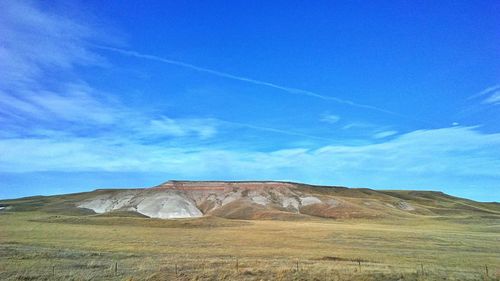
[(334, 258)]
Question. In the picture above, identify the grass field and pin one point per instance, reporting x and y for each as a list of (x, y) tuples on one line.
[(36, 245)]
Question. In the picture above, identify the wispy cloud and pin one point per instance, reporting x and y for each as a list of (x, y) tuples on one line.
[(486, 91), (289, 90), (38, 54), (490, 95), (72, 103), (384, 134), (273, 130), (32, 103), (441, 158), (203, 127), (494, 98), (35, 42), (357, 125), (330, 118)]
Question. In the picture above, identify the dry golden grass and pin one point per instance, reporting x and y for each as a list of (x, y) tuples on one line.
[(41, 246)]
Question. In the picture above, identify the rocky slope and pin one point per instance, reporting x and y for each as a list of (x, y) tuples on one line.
[(276, 200)]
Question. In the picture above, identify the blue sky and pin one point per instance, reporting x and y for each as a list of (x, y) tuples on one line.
[(385, 94)]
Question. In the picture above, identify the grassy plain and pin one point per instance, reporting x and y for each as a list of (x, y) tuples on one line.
[(37, 245)]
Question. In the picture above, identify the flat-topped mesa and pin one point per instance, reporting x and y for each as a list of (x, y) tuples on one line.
[(222, 185), (274, 200)]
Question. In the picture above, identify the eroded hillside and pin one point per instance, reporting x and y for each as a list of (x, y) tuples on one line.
[(258, 200)]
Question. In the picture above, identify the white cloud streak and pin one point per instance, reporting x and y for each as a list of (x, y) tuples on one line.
[(492, 95), (384, 134), (330, 118), (454, 157), (273, 130), (29, 106), (71, 104), (289, 90), (494, 98), (34, 42), (203, 127), (485, 91)]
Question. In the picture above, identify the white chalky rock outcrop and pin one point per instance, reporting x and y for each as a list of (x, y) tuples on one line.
[(166, 205), (309, 200)]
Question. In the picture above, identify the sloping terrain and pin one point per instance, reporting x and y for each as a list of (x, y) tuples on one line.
[(256, 200), (249, 231)]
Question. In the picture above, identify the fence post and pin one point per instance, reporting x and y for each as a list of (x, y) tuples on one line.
[(176, 272), (237, 265), (53, 270), (297, 265), (359, 265), (116, 268), (486, 269), (422, 269)]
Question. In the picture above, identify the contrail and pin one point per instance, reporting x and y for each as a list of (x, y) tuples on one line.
[(289, 90), (272, 130), (485, 91)]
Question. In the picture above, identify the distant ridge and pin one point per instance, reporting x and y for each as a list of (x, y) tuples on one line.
[(243, 183), (263, 199)]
